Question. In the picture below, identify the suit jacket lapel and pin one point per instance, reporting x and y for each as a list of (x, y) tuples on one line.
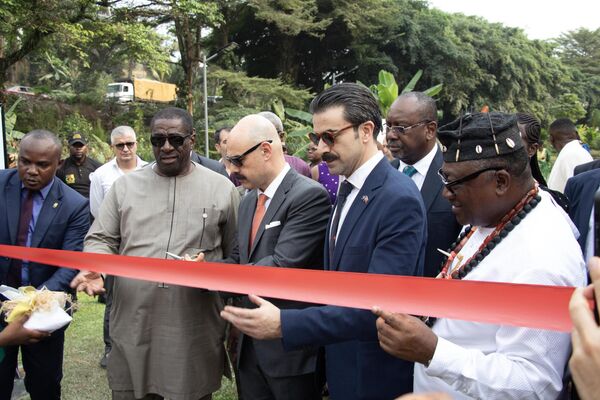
[(585, 210), (432, 184), (274, 204), (50, 207), (328, 264), (13, 206), (246, 213), (364, 197)]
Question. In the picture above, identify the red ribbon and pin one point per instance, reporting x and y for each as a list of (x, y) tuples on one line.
[(534, 306)]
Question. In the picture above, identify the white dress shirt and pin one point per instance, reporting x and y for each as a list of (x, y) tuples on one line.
[(422, 167), (274, 185), (572, 155), (357, 179), (102, 179), (485, 361)]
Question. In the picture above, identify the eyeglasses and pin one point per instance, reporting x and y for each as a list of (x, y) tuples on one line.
[(238, 161), (328, 137), (121, 146), (450, 184), (175, 140), (401, 130)]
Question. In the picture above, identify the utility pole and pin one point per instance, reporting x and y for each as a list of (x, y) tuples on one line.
[(205, 61)]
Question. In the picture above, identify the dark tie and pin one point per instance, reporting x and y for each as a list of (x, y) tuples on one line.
[(259, 213), (13, 277), (409, 170), (345, 189)]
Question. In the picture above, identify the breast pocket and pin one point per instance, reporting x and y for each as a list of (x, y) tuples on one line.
[(203, 222)]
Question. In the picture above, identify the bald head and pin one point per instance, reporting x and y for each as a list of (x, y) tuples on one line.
[(253, 129), (259, 167)]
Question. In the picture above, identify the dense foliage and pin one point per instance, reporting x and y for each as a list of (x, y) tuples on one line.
[(286, 51)]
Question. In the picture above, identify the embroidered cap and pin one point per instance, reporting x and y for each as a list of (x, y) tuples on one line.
[(480, 135), (77, 137)]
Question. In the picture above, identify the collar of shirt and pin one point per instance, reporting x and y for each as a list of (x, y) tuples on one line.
[(43, 191), (422, 166), (358, 177), (138, 164), (274, 185)]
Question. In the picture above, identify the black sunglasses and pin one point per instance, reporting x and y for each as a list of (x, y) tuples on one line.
[(121, 146), (450, 184), (175, 140), (328, 137), (238, 161)]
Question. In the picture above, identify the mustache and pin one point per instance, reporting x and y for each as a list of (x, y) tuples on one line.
[(239, 177), (329, 157)]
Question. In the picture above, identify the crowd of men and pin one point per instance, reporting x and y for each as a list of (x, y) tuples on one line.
[(469, 188)]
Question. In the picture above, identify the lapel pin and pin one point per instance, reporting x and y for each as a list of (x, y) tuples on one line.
[(365, 199), (55, 205)]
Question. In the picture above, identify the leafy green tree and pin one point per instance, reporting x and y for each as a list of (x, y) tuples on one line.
[(580, 50), (187, 21), (569, 106), (68, 42), (26, 24)]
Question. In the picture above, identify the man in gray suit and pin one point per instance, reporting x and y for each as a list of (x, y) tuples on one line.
[(282, 222)]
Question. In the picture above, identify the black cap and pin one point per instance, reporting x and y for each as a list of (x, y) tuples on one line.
[(77, 137), (480, 135)]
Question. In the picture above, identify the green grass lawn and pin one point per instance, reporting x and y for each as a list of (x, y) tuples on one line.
[(83, 377)]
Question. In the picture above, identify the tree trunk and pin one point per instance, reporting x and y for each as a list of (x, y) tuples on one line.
[(287, 65)]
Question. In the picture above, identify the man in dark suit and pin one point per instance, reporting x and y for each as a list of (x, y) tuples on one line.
[(587, 167), (281, 222), (377, 226), (580, 190), (411, 137), (208, 163), (38, 210)]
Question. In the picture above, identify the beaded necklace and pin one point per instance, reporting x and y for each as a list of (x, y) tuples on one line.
[(502, 229)]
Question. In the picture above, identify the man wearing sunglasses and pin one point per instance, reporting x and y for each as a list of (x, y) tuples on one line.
[(411, 137), (124, 146), (282, 222), (123, 143), (376, 226), (76, 169), (167, 340), (514, 233)]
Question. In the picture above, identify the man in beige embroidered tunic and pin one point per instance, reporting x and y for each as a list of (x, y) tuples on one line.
[(167, 340)]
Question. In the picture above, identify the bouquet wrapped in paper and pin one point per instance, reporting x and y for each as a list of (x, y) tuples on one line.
[(45, 308)]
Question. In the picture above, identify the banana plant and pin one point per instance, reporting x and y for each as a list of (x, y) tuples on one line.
[(386, 90), (12, 136)]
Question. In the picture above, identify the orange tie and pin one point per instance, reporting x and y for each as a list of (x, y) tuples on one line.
[(259, 213)]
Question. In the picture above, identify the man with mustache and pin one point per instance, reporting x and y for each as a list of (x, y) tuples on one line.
[(411, 137), (38, 210), (282, 222), (167, 340), (377, 226)]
